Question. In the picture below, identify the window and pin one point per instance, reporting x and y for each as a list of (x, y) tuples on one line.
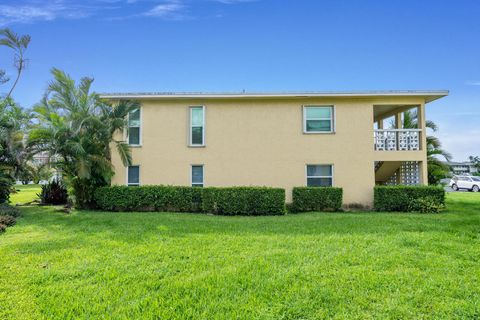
[(319, 175), (133, 176), (197, 175), (318, 119), (197, 126), (134, 127)]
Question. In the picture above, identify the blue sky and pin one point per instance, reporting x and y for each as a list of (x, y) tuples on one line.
[(262, 45)]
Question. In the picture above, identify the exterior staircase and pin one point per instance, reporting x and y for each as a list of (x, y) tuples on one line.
[(385, 169)]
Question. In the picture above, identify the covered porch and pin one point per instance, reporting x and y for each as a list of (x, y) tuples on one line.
[(399, 127)]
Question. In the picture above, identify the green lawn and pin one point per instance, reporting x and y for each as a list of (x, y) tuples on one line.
[(307, 266)]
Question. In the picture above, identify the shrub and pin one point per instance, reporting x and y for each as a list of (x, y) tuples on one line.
[(149, 198), (227, 201), (253, 201), (409, 198), (6, 183), (54, 193), (425, 205), (7, 220), (2, 228), (316, 199), (7, 210)]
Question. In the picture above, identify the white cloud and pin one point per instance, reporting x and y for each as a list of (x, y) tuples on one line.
[(233, 1), (172, 9), (473, 83), (47, 11), (29, 11)]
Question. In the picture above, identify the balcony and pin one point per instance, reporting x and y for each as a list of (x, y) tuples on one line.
[(397, 139)]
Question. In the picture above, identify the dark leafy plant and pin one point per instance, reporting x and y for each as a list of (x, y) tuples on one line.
[(316, 199), (8, 220), (2, 228), (425, 205), (408, 198), (225, 201), (254, 201), (54, 192), (7, 210)]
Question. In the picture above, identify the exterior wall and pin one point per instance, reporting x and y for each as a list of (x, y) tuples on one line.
[(261, 142)]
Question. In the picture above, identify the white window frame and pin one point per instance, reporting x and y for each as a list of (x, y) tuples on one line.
[(332, 118), (139, 129), (319, 164), (190, 127), (139, 175), (191, 175)]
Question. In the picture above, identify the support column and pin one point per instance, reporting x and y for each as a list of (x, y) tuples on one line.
[(423, 143), (398, 121), (380, 124)]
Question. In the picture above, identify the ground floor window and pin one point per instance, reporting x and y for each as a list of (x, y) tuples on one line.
[(319, 175), (197, 175), (133, 176)]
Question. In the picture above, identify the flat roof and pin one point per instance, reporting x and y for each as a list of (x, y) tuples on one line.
[(429, 95)]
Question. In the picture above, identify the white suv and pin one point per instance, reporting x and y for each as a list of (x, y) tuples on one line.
[(470, 183)]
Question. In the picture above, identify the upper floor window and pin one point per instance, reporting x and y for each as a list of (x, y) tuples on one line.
[(133, 176), (197, 126), (134, 127), (318, 119), (197, 175), (319, 175)]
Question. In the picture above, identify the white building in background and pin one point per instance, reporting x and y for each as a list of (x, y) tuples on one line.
[(462, 168)]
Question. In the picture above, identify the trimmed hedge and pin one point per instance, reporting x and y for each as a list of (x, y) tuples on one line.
[(253, 201), (149, 198), (409, 198), (225, 201), (316, 199)]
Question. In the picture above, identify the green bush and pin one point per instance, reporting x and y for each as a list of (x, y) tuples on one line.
[(316, 199), (6, 183), (226, 201), (54, 193), (425, 205), (254, 201), (409, 198), (7, 220), (7, 210), (149, 198)]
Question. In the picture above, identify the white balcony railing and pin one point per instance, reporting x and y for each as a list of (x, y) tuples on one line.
[(397, 139)]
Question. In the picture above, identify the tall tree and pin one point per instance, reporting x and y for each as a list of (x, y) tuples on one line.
[(77, 128), (19, 45), (11, 115)]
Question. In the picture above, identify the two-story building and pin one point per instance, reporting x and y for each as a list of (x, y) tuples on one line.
[(277, 139)]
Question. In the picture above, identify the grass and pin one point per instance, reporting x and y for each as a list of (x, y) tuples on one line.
[(25, 193), (306, 266)]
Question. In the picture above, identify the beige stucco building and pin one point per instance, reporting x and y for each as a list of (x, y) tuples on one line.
[(345, 139)]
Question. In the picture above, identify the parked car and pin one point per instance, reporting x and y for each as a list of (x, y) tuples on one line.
[(470, 183)]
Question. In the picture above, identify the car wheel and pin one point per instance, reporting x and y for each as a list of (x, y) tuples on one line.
[(475, 189), (454, 187)]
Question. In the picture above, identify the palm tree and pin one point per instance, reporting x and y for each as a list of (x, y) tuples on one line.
[(77, 128), (436, 168), (14, 153)]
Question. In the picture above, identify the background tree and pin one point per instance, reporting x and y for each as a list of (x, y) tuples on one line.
[(77, 129), (436, 168), (11, 115)]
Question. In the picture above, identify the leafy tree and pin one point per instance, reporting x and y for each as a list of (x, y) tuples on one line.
[(12, 116), (436, 168), (77, 129), (19, 45)]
